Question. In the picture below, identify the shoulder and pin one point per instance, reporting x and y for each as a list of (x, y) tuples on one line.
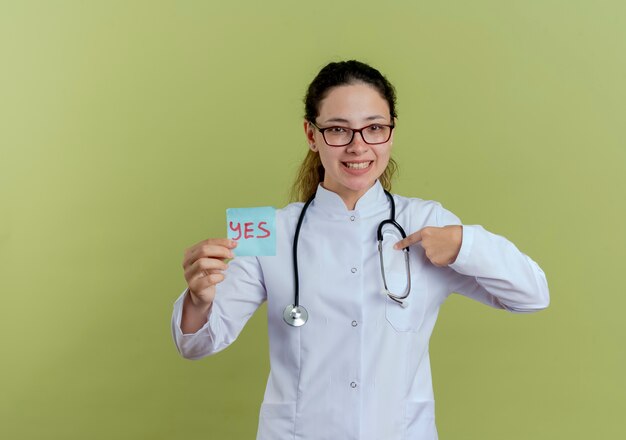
[(291, 209), (428, 211), (416, 203), (289, 214)]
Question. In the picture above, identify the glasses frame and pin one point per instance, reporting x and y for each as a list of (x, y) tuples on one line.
[(354, 131)]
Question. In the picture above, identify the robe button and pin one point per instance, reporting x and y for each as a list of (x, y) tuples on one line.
[(352, 218), (353, 270), (354, 323), (353, 384)]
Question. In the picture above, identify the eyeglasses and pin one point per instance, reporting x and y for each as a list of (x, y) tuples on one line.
[(341, 136)]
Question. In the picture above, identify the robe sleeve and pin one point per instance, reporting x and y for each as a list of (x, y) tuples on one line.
[(492, 270), (236, 299)]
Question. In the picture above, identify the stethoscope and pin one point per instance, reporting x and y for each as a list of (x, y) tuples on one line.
[(296, 315)]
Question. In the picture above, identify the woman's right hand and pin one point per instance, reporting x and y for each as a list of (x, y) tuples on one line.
[(204, 264)]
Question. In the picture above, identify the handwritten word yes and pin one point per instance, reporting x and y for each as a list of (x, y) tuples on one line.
[(248, 230)]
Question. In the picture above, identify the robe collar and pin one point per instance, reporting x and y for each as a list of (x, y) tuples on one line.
[(372, 202)]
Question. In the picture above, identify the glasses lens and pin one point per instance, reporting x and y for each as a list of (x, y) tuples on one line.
[(376, 134), (338, 136)]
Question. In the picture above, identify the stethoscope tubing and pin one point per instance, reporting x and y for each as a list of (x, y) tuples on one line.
[(295, 252), (296, 315)]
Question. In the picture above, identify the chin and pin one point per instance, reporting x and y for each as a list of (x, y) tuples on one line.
[(361, 185)]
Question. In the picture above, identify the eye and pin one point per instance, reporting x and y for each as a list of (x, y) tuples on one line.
[(336, 130), (375, 127)]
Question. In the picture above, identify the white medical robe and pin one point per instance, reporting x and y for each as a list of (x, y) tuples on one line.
[(359, 368)]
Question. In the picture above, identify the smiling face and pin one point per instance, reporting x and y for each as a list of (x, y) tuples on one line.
[(351, 170)]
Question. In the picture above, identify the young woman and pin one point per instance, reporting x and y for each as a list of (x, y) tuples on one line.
[(348, 362)]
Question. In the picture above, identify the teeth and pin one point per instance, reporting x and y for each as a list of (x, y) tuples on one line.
[(357, 166)]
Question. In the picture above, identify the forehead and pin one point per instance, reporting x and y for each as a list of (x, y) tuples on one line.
[(353, 102)]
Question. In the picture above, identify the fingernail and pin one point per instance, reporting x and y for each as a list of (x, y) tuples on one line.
[(395, 246)]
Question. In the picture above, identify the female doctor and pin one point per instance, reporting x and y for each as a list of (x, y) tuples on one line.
[(348, 362)]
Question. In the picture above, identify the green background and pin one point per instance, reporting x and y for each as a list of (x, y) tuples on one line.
[(128, 127)]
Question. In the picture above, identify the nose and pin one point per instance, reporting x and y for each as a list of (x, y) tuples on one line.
[(358, 144)]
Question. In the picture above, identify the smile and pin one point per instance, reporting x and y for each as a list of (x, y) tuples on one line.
[(357, 165)]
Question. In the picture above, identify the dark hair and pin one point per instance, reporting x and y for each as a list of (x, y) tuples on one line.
[(311, 171), (343, 73)]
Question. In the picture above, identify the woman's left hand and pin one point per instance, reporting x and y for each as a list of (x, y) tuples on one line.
[(441, 245)]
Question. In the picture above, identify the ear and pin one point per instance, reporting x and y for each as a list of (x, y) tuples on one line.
[(309, 132)]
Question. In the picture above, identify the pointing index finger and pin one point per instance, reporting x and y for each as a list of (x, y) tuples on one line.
[(415, 237)]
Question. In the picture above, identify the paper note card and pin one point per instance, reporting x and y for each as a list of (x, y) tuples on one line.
[(254, 229)]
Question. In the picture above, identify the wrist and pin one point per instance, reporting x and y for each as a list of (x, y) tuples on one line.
[(195, 302)]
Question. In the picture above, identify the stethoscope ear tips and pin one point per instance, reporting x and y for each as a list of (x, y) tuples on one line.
[(404, 304)]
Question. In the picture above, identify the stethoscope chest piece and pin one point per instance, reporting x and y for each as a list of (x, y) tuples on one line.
[(295, 316)]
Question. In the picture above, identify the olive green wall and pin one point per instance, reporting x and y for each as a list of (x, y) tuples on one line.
[(128, 127)]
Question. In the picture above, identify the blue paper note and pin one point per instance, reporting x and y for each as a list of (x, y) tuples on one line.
[(254, 229)]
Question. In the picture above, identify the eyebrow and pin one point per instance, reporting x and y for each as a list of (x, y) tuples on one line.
[(345, 121)]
